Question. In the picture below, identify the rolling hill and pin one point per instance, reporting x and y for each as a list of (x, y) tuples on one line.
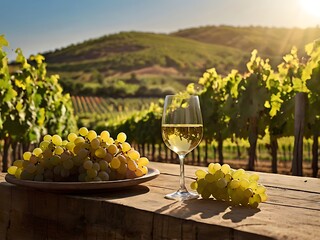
[(151, 64)]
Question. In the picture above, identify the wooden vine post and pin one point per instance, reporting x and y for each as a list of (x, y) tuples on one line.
[(299, 121)]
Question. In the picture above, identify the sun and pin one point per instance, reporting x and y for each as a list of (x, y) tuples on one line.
[(312, 7)]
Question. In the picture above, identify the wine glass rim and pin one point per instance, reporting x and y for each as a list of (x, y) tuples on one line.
[(172, 95)]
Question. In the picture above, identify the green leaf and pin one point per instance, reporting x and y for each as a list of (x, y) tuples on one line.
[(3, 41)]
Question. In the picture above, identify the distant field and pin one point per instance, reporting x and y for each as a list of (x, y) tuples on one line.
[(100, 105)]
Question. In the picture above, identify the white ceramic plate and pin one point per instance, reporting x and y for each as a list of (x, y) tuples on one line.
[(83, 186)]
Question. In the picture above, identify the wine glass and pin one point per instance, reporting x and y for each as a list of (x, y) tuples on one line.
[(182, 130)]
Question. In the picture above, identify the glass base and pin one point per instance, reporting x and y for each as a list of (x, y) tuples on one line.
[(182, 195)]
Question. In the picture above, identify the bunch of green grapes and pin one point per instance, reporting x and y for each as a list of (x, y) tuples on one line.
[(84, 157), (226, 184)]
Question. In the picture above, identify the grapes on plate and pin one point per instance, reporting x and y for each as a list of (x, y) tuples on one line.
[(226, 184), (83, 156)]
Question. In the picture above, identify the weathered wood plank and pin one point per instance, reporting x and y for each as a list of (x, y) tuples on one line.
[(142, 212)]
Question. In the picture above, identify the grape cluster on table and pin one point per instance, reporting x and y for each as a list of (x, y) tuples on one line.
[(85, 156), (224, 183)]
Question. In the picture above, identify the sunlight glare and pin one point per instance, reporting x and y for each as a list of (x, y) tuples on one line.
[(312, 7)]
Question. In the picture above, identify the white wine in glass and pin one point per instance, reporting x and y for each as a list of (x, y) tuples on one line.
[(182, 131)]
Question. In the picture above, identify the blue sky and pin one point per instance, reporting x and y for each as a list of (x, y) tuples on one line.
[(42, 25)]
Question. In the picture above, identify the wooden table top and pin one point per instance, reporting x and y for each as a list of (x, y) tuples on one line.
[(291, 212)]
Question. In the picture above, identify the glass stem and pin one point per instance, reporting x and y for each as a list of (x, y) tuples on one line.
[(182, 183)]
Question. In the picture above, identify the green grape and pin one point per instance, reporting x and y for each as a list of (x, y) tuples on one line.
[(18, 163), (38, 177), (18, 173), (218, 174), (55, 160), (57, 170), (248, 192), (138, 172), (103, 165), (79, 140), (72, 137), (26, 155), (122, 158), (77, 161), (87, 164), (47, 138), (103, 175), (83, 131), (97, 179), (237, 196), (33, 159), (121, 137), (92, 173), (133, 154), (30, 168), (65, 172), (82, 153), (143, 161), (12, 170), (100, 152), (234, 184), (113, 149), (228, 177), (216, 166), (56, 140), (40, 169), (110, 141), (257, 198), (91, 135), (37, 151), (201, 185), (95, 143), (25, 163), (211, 168), (260, 189), (244, 183), (125, 147), (25, 175), (238, 173), (78, 147), (96, 166), (129, 174), (253, 185), (144, 170), (66, 155), (263, 197), (108, 157), (222, 183), (59, 150), (225, 168), (200, 173), (105, 135), (122, 169), (209, 178), (115, 163), (254, 177), (82, 177), (44, 145), (253, 203), (132, 165), (206, 193), (70, 146), (67, 164), (46, 154), (194, 185)]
